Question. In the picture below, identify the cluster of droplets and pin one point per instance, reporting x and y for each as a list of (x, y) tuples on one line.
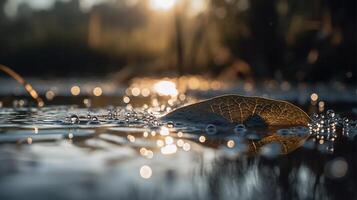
[(141, 117), (75, 119), (239, 129), (112, 114), (124, 117), (326, 127), (92, 119)]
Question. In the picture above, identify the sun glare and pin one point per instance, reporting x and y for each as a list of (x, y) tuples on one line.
[(162, 4), (166, 88)]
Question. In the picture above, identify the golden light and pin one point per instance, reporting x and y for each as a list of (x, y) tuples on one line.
[(197, 6), (145, 172), (40, 103), (180, 142), (202, 139), (143, 151), (135, 91), (164, 131), (153, 133), (33, 93), (146, 153), (29, 140), (160, 143), (169, 140), (131, 138), (166, 88), (321, 106), (193, 83), (50, 95), (169, 149), (97, 91), (75, 90), (155, 103), (145, 92), (162, 4), (215, 85), (182, 97), (126, 99), (186, 147), (87, 102), (21, 103), (230, 144), (314, 97)]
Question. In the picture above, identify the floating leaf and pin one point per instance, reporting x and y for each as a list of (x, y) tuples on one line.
[(233, 109), (254, 112)]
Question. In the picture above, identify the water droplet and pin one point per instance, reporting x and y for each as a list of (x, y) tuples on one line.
[(74, 119), (330, 149), (170, 124), (315, 117), (240, 129), (211, 129), (110, 114), (89, 116), (94, 120), (346, 122), (330, 113)]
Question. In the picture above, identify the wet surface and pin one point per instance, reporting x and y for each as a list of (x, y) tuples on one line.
[(127, 152), (85, 153)]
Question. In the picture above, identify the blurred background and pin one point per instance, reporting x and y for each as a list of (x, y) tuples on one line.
[(103, 72), (295, 40)]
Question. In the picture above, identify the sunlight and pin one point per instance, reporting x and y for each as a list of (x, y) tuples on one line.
[(162, 4), (166, 88)]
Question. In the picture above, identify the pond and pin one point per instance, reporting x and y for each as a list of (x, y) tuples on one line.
[(117, 147)]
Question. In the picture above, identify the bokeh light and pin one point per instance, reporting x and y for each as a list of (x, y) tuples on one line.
[(145, 172), (166, 88), (97, 91), (75, 90), (162, 4)]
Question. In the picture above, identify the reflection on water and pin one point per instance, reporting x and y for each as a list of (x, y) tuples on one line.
[(122, 153)]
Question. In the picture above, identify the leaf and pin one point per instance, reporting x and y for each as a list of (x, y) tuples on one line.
[(254, 112), (233, 109)]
